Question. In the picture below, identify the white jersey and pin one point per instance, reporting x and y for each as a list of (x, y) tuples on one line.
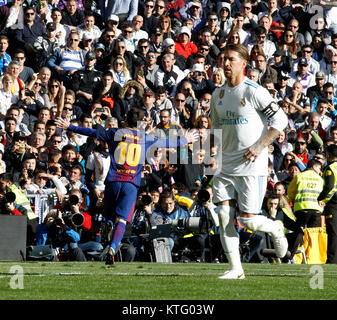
[(241, 112)]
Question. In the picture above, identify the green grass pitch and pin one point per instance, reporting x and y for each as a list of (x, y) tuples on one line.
[(158, 281)]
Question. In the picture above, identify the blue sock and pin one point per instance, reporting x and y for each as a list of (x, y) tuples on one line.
[(117, 235)]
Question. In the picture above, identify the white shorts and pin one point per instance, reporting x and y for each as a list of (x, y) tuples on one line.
[(248, 191)]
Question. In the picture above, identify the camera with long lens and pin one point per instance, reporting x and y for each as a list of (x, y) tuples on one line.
[(203, 196), (9, 197), (197, 225), (146, 200), (72, 219)]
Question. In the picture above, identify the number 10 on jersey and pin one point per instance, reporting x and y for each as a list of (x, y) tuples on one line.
[(128, 153)]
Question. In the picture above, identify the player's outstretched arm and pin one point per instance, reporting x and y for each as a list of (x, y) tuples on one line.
[(192, 136), (62, 123)]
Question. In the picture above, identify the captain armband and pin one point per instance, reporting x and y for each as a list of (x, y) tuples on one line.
[(272, 108)]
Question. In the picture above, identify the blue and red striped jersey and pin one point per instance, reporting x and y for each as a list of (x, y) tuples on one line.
[(127, 150)]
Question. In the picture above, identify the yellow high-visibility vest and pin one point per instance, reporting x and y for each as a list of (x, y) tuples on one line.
[(309, 186), (331, 169), (22, 200)]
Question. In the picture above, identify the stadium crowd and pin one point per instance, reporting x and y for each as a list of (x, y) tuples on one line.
[(90, 61)]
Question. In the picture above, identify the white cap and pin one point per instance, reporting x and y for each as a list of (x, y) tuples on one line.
[(168, 42), (87, 36), (113, 17), (198, 67), (184, 29)]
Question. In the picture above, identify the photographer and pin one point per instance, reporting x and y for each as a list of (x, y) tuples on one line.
[(55, 231), (77, 217), (204, 208), (7, 185), (8, 205), (168, 211)]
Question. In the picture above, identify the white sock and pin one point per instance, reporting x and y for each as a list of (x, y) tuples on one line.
[(229, 237), (258, 223)]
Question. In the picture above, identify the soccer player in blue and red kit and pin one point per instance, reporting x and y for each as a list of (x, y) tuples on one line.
[(127, 148)]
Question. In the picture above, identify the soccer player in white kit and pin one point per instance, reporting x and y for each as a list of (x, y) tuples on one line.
[(241, 108)]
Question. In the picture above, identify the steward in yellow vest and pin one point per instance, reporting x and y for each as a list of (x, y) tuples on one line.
[(6, 183), (303, 192), (329, 197)]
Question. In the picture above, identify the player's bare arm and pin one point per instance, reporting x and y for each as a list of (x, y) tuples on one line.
[(255, 150)]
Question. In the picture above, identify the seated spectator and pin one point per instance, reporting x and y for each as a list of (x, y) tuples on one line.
[(40, 181), (31, 30), (5, 58), (167, 211), (7, 98), (85, 82), (61, 31), (46, 45), (183, 45), (71, 15), (119, 70), (89, 28), (66, 61), (302, 75), (168, 75)]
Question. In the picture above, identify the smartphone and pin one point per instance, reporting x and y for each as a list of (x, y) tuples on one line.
[(99, 110)]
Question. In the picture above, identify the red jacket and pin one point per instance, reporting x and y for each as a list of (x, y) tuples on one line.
[(186, 49)]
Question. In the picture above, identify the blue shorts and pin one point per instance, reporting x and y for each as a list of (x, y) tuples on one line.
[(119, 200)]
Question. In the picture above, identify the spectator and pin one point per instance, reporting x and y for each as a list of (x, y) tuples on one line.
[(31, 30), (193, 10), (89, 28), (5, 58), (72, 17), (150, 21), (7, 98), (66, 61), (125, 10), (61, 32), (317, 90), (85, 82), (224, 12), (184, 46), (164, 23), (168, 75), (119, 70)]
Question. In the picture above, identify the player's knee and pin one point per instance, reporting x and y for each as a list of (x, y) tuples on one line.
[(118, 219), (225, 216)]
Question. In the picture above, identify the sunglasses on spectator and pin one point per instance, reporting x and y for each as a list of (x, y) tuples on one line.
[(300, 143), (68, 109)]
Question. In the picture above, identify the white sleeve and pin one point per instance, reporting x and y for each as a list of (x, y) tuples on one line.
[(90, 162), (59, 185), (271, 109)]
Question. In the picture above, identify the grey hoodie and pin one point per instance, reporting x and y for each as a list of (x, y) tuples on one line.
[(229, 22)]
